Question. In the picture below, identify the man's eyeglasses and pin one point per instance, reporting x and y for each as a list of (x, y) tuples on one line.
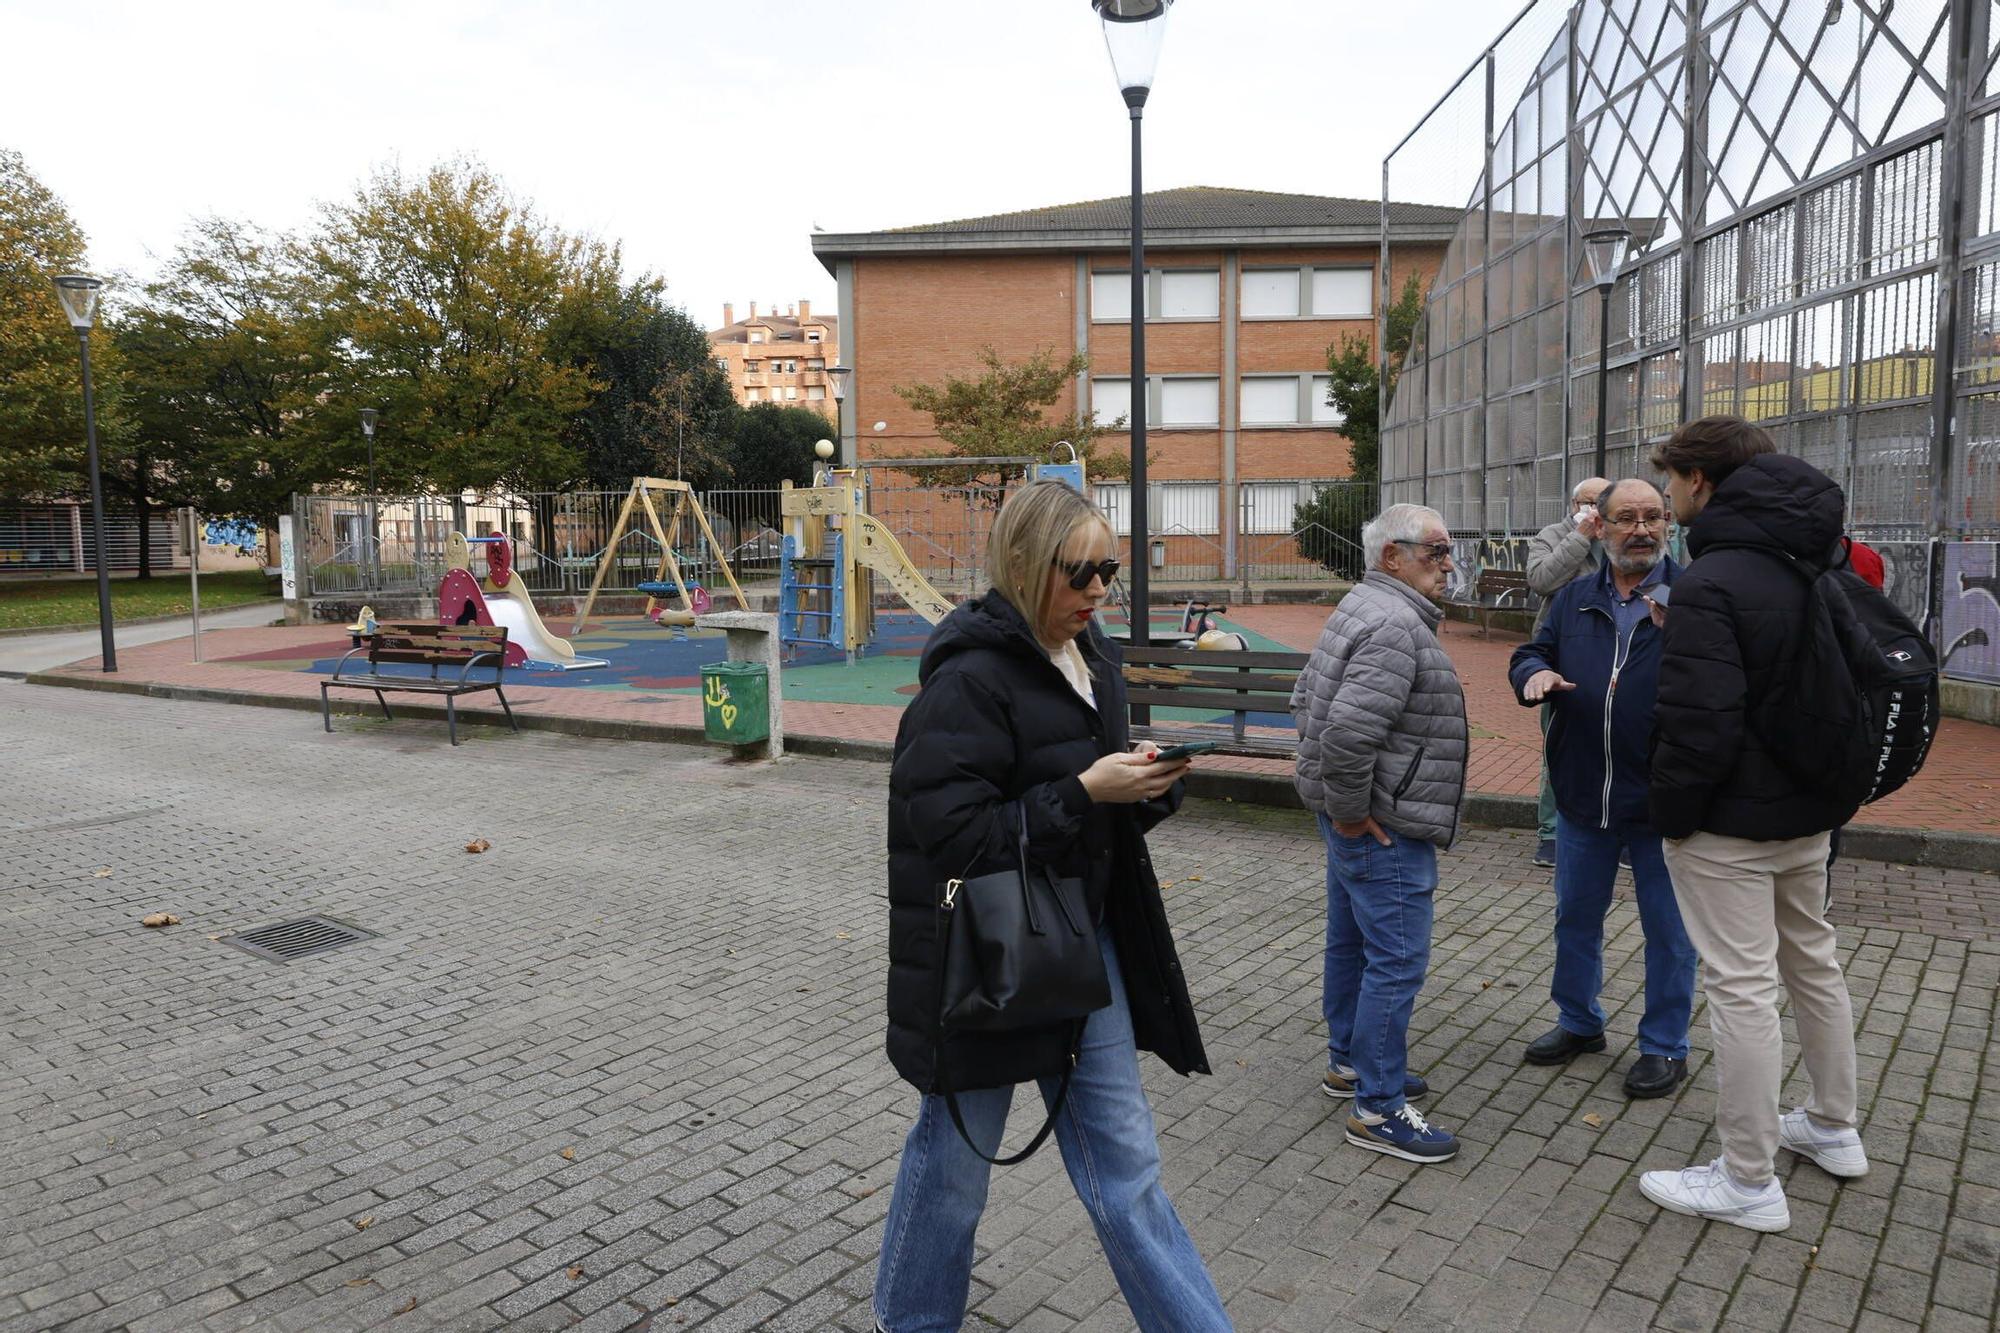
[(1082, 572), (1627, 522), (1435, 551)]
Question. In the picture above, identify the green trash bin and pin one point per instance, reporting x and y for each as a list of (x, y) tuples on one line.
[(736, 702)]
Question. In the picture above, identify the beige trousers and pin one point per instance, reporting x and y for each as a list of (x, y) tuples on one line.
[(1756, 912)]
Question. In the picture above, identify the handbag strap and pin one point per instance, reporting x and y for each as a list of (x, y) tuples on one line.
[(1048, 1126)]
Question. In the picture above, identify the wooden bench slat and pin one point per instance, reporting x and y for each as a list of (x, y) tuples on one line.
[(1256, 681), (1205, 700), (1265, 661)]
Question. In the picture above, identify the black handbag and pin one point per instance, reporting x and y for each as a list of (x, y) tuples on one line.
[(1020, 952)]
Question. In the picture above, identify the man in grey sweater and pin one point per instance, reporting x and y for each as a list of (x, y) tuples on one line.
[(1382, 751), (1558, 553)]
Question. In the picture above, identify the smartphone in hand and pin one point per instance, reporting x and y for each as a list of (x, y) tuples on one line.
[(1186, 750)]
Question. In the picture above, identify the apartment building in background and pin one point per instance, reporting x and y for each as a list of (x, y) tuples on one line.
[(1245, 292), (774, 358)]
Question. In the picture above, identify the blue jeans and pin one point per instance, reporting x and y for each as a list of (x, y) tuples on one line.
[(1586, 866), (1112, 1152), (1378, 943)]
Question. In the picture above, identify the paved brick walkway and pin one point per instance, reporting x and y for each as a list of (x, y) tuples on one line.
[(623, 1071), (1959, 788)]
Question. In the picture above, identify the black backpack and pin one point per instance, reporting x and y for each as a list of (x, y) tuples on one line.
[(1856, 720)]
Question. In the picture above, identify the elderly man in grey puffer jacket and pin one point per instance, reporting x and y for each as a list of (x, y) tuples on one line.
[(1382, 751)]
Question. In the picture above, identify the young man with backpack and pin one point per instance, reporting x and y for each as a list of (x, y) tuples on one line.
[(1772, 727)]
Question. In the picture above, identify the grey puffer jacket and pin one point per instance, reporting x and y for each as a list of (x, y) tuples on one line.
[(1556, 555), (1381, 716)]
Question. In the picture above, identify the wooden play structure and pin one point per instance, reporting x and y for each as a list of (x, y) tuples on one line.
[(685, 505), (826, 577), (501, 599)]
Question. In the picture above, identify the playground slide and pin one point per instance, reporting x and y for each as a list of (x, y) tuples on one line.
[(877, 549), (525, 627)]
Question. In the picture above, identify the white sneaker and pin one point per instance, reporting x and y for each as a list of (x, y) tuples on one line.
[(1708, 1191), (1838, 1152)]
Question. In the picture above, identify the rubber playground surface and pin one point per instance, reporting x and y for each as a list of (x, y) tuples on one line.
[(644, 660)]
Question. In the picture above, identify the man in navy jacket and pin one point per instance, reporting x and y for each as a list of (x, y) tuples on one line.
[(1596, 661)]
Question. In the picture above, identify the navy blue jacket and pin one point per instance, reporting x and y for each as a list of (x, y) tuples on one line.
[(1579, 641)]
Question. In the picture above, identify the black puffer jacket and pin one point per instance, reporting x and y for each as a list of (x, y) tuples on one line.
[(1732, 635), (995, 722)]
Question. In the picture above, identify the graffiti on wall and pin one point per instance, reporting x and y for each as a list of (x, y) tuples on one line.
[(1969, 627)]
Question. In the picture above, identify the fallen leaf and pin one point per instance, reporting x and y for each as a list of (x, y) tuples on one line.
[(102, 872), (407, 1306), (215, 937), (1166, 884), (1593, 1119), (158, 919), (569, 1154), (575, 1271), (360, 1281), (1485, 985), (1194, 879), (842, 935), (363, 1223), (477, 845)]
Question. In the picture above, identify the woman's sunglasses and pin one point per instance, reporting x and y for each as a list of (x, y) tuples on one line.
[(1083, 571)]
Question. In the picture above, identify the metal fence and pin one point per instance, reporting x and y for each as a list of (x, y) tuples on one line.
[(55, 539), (1304, 533), (1813, 190)]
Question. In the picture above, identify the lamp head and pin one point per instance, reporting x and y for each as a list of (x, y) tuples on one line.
[(838, 375), (369, 416), (1604, 254), (824, 448), (78, 294), (1133, 33)]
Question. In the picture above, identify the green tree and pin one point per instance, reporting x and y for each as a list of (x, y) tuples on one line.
[(456, 308), (1356, 379), (773, 443), (223, 358), (41, 389), (663, 408), (1000, 413)]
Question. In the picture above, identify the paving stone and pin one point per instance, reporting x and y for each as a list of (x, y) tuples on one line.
[(697, 1017)]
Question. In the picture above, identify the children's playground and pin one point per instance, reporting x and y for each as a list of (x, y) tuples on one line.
[(854, 610)]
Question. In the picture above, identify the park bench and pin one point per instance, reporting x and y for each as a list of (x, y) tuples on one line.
[(1215, 682), (1496, 590), (423, 643)]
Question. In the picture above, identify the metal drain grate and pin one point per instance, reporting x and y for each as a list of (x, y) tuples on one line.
[(303, 938)]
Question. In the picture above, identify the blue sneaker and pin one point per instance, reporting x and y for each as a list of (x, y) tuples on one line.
[(1404, 1134), (1339, 1082)]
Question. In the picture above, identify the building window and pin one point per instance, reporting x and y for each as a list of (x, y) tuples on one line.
[(1270, 293), (1186, 295), (753, 367), (791, 391), (813, 335), (1329, 293), (1170, 294), (1270, 506), (1110, 399), (756, 335), (816, 363), (1323, 412), (1343, 293), (1188, 401), (722, 363), (1114, 501), (1188, 506), (1270, 400), (751, 395), (815, 393)]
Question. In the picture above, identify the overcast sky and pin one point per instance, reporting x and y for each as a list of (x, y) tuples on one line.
[(708, 137)]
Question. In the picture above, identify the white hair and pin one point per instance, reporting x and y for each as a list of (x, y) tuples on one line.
[(1397, 523)]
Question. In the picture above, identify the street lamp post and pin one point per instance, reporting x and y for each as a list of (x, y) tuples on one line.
[(1133, 32), (369, 416), (1604, 252), (78, 295), (837, 375)]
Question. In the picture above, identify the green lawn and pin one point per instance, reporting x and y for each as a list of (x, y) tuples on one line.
[(31, 602)]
